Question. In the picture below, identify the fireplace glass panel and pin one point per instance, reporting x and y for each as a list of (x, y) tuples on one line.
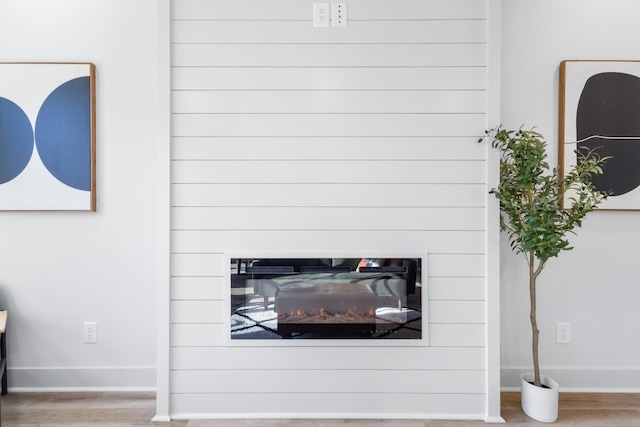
[(326, 298)]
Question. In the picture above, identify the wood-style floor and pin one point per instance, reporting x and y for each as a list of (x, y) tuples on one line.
[(137, 409)]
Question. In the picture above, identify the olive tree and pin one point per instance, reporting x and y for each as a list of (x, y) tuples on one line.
[(531, 212)]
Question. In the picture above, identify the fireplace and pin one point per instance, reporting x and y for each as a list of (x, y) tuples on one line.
[(326, 298)]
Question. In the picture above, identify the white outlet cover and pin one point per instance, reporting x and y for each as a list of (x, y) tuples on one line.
[(563, 333), (90, 332), (321, 15)]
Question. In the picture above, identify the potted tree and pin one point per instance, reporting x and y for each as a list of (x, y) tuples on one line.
[(532, 215)]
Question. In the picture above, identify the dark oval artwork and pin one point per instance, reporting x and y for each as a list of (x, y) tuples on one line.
[(609, 107)]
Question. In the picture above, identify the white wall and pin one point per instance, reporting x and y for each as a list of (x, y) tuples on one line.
[(284, 137), (60, 269), (595, 286)]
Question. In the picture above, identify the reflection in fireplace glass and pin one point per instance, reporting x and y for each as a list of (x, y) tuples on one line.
[(319, 298)]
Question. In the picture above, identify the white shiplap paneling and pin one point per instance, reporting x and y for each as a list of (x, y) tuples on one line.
[(287, 137), (358, 381), (345, 218), (337, 195), (327, 125), (200, 243), (197, 288), (444, 358), (329, 55), (339, 172), (286, 10), (377, 404), (453, 336), (257, 78), (359, 32), (336, 102), (328, 148)]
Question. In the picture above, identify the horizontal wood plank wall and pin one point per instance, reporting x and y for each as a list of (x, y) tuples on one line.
[(363, 138)]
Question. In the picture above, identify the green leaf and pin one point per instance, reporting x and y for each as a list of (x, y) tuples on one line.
[(530, 192)]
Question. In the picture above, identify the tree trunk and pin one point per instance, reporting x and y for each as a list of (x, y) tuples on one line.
[(533, 275)]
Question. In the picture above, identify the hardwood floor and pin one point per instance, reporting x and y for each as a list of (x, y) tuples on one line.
[(137, 409)]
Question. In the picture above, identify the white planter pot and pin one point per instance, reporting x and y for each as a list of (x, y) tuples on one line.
[(539, 403)]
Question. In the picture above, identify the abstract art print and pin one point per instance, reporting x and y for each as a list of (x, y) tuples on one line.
[(600, 110), (47, 136)]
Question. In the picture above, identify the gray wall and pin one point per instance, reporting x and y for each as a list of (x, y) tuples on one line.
[(593, 286), (59, 269)]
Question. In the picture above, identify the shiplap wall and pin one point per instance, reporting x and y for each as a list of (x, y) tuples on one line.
[(287, 137)]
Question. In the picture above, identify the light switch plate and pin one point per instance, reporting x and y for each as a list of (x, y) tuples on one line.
[(338, 14)]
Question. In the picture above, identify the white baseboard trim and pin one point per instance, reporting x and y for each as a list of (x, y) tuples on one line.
[(582, 379), (82, 379), (321, 416)]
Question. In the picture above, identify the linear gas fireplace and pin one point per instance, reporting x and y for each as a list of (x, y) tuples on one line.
[(326, 298)]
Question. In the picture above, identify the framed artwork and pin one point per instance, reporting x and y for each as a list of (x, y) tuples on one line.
[(600, 109), (47, 136)]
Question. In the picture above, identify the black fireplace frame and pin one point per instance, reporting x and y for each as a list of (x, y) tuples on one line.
[(260, 276)]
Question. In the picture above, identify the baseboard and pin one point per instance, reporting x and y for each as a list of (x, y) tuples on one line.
[(597, 380), (82, 379), (324, 416)]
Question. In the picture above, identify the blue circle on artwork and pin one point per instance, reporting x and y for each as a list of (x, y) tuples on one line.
[(63, 133), (16, 140)]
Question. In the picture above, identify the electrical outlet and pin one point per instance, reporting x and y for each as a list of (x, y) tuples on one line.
[(90, 330), (321, 15), (563, 333), (338, 14)]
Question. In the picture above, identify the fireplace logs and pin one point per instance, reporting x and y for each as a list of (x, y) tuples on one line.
[(333, 307)]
